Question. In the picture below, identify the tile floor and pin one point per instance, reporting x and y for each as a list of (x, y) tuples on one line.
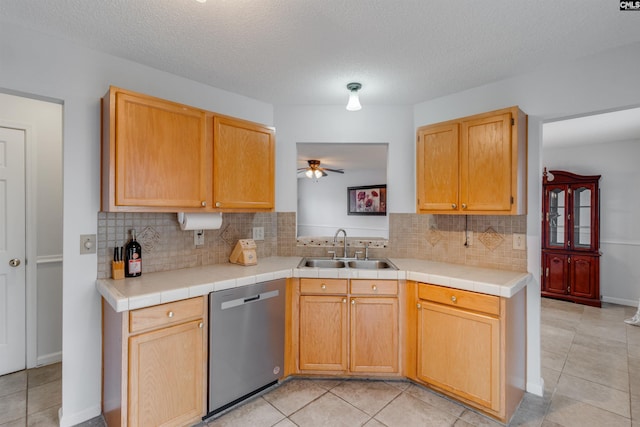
[(590, 365)]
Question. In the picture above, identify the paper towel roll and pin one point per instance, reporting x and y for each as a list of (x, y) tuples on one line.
[(199, 221)]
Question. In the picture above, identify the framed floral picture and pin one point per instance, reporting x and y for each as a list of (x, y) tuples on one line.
[(367, 200)]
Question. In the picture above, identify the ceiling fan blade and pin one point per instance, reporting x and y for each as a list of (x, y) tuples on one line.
[(333, 170)]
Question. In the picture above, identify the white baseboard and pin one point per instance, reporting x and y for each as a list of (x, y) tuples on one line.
[(79, 417), (48, 359), (620, 301), (536, 388)]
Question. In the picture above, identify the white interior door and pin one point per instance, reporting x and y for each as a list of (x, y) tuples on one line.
[(12, 251)]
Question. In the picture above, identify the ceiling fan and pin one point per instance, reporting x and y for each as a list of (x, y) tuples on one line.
[(315, 171)]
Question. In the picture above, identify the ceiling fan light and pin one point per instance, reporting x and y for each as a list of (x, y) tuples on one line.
[(309, 173), (354, 99), (317, 174)]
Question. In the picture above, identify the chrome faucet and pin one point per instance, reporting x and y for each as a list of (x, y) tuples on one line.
[(335, 238)]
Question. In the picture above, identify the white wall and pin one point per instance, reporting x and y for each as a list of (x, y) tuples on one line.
[(552, 91), (372, 124), (43, 121), (322, 205), (33, 63), (617, 162)]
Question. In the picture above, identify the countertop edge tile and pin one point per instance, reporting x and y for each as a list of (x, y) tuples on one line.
[(160, 287)]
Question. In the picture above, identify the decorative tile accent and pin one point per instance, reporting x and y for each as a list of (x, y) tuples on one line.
[(434, 235), (148, 239), (490, 238)]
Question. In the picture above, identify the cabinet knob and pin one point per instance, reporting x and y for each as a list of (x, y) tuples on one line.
[(344, 300), (464, 206), (170, 314), (418, 306), (203, 203), (453, 206), (353, 302), (453, 298), (218, 204), (323, 286), (200, 325), (374, 288)]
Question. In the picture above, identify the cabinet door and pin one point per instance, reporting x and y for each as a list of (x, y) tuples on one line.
[(584, 220), (459, 351), (584, 276), (555, 274), (556, 217), (243, 165), (166, 375), (160, 152), (374, 335), (487, 172), (323, 332), (438, 168)]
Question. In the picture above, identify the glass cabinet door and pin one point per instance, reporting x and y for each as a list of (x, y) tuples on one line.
[(556, 217), (582, 218)]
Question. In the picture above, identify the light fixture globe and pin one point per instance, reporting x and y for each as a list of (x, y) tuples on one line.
[(354, 100)]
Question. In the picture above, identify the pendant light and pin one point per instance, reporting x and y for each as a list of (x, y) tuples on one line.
[(354, 100)]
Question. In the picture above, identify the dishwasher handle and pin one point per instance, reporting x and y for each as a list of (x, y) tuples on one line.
[(257, 297)]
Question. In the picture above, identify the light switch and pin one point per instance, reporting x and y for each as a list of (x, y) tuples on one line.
[(87, 244), (519, 241)]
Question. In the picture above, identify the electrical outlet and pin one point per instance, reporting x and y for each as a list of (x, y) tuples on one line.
[(258, 233), (87, 244), (198, 237), (519, 241)]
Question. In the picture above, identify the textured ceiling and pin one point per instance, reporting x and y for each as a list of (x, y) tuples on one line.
[(306, 51)]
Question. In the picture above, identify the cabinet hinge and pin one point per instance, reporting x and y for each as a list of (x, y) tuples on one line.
[(513, 122)]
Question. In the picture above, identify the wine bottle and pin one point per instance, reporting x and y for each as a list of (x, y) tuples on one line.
[(133, 257)]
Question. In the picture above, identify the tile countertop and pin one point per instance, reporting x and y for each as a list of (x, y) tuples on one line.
[(166, 286)]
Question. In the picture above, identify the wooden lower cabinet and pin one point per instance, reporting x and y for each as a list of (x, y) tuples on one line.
[(468, 345), (352, 330), (155, 364)]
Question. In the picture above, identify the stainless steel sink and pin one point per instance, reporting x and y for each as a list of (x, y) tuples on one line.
[(321, 263), (369, 264), (372, 264)]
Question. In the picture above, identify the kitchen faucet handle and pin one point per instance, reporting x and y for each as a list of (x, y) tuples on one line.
[(356, 254), (332, 253)]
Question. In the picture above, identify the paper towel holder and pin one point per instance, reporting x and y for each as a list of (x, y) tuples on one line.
[(203, 221)]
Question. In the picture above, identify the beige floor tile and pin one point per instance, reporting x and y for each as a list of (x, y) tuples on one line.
[(552, 360), (608, 312), (535, 404), (13, 406), (556, 340), (436, 400), (602, 367), (22, 422), (329, 410), (293, 395), (633, 335), (550, 377), (594, 394), (603, 329), (399, 384), (478, 420), (327, 383), (374, 423), (44, 374), (568, 412), (256, 413), (12, 383), (44, 396), (368, 396), (524, 418), (46, 418), (599, 343), (407, 410), (285, 423)]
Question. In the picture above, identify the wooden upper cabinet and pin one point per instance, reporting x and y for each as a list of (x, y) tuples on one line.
[(473, 165), (160, 156), (243, 165), (438, 168), (154, 154)]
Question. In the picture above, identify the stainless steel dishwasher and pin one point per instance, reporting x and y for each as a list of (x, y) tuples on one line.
[(246, 342)]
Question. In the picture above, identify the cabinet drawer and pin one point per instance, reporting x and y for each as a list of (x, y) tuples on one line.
[(458, 298), (165, 314), (374, 287), (323, 286)]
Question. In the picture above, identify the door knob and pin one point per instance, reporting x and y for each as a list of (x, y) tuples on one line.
[(14, 262)]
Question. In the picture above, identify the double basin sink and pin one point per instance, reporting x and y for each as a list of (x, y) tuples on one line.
[(368, 264)]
